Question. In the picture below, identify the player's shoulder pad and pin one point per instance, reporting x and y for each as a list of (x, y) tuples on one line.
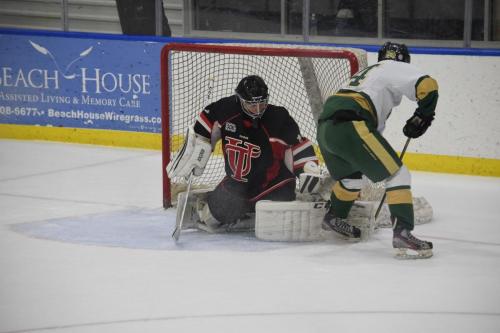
[(223, 108), (223, 103), (277, 113)]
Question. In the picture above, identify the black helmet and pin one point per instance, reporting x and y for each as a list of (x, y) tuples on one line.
[(394, 51), (252, 90)]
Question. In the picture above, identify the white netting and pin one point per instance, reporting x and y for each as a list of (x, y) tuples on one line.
[(299, 82)]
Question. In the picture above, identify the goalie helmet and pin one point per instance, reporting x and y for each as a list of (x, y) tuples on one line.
[(394, 51), (253, 95)]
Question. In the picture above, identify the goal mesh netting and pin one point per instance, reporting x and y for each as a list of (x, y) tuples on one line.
[(299, 78)]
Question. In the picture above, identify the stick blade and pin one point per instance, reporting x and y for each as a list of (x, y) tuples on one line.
[(176, 234), (178, 223)]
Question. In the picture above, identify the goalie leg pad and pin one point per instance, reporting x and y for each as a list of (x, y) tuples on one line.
[(195, 203), (299, 221), (289, 221), (362, 216), (422, 211)]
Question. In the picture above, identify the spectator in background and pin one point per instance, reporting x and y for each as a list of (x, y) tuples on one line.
[(356, 18), (137, 17)]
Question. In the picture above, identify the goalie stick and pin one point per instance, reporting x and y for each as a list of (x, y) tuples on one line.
[(178, 225), (385, 193)]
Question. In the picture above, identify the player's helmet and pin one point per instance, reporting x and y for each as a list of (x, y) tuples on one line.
[(394, 51), (253, 94)]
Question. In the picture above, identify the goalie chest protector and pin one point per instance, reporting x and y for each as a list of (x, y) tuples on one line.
[(254, 149)]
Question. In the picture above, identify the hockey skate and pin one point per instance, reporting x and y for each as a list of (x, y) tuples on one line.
[(209, 224), (341, 227), (403, 241)]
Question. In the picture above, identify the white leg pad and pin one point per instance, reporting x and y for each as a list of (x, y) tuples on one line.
[(290, 221), (362, 215), (195, 204), (298, 221)]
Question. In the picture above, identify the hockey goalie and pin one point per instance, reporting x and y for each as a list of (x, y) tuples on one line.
[(273, 183)]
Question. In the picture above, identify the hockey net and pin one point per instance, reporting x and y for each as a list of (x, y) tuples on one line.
[(299, 78)]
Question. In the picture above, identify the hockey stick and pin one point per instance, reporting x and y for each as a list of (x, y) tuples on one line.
[(385, 193), (178, 226)]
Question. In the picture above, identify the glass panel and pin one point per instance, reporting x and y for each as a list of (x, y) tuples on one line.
[(30, 14), (237, 15), (132, 17), (478, 20), (294, 17), (102, 16), (348, 18), (495, 20), (425, 19)]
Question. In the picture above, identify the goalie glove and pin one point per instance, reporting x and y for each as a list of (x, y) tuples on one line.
[(192, 157), (311, 180), (417, 124)]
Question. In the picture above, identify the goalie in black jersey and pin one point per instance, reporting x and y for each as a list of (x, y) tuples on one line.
[(263, 152)]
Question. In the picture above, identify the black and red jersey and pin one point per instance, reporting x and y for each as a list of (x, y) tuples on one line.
[(261, 152)]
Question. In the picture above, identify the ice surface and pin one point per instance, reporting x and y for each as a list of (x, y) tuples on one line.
[(85, 247)]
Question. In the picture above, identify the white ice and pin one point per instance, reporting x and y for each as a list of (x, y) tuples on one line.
[(85, 247)]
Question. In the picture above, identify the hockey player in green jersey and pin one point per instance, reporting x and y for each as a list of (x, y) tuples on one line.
[(351, 142)]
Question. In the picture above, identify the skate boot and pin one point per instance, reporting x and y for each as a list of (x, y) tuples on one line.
[(208, 223), (341, 227), (403, 241)]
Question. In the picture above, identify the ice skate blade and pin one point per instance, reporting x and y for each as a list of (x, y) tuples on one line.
[(176, 234), (341, 236), (347, 238), (402, 254)]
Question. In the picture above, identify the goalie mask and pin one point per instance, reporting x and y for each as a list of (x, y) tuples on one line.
[(253, 95), (394, 51)]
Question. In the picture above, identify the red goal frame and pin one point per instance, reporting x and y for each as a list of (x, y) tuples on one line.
[(251, 49)]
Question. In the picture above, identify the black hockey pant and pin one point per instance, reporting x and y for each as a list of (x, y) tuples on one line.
[(230, 200)]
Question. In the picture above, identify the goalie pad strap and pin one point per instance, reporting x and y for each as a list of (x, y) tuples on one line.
[(311, 180), (308, 183)]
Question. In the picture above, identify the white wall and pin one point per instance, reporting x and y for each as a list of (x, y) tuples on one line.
[(468, 112)]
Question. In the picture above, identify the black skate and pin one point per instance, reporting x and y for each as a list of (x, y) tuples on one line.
[(403, 241), (341, 227)]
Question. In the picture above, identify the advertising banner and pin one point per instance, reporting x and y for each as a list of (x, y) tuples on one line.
[(80, 83)]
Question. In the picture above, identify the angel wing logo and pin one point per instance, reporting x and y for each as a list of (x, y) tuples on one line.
[(66, 71)]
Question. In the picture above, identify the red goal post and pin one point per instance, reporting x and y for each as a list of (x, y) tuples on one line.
[(299, 77)]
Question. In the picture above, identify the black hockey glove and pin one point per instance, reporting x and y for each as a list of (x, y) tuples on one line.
[(417, 124)]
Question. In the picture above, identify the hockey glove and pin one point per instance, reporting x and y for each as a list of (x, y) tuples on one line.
[(417, 124), (311, 179), (192, 157)]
